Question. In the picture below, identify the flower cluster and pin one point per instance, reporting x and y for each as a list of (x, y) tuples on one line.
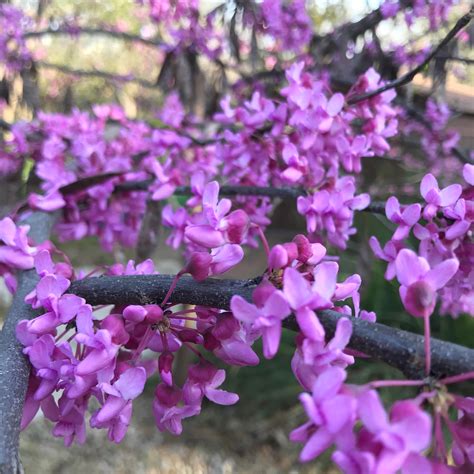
[(443, 265), (436, 11), (288, 23), (14, 53), (74, 350)]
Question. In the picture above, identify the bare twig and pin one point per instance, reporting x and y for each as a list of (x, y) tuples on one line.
[(408, 77), (400, 349), (73, 32), (96, 73)]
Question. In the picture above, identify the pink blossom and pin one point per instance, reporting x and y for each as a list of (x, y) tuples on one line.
[(419, 283)]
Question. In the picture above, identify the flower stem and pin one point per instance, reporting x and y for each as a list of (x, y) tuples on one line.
[(458, 378)]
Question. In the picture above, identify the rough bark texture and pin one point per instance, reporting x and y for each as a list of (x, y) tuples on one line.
[(400, 349), (14, 368)]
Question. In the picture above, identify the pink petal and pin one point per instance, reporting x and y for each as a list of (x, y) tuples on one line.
[(309, 324), (372, 412), (468, 173), (325, 277), (204, 235), (243, 310), (296, 288), (410, 267), (427, 183), (328, 384), (338, 411), (411, 214), (111, 409), (271, 340), (226, 257), (221, 397), (131, 383), (442, 273), (392, 207), (319, 442), (276, 305), (335, 104), (450, 194), (343, 334)]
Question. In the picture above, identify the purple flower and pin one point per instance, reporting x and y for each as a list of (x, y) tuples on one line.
[(436, 197), (311, 357), (203, 380), (219, 226), (16, 253), (266, 318), (389, 254), (405, 219), (331, 412), (385, 445), (419, 283), (116, 411), (169, 408)]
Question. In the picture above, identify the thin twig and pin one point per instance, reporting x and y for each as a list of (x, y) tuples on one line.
[(96, 73), (73, 32), (408, 77), (400, 349)]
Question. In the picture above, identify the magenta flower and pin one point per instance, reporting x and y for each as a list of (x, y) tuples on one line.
[(169, 409), (331, 412), (265, 319), (70, 423), (219, 226), (392, 442), (436, 197), (16, 253), (101, 351), (312, 358), (419, 283), (405, 219), (388, 253), (116, 411), (203, 380)]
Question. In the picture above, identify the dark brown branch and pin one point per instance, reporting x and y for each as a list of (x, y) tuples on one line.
[(96, 73), (408, 77), (400, 349), (14, 368), (94, 32)]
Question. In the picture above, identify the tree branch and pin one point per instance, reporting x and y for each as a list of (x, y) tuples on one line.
[(408, 77), (233, 191), (96, 73), (93, 32), (14, 367), (400, 349)]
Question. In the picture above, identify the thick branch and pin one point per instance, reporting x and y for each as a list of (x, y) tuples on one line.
[(14, 368), (408, 77), (96, 73), (397, 348), (93, 32)]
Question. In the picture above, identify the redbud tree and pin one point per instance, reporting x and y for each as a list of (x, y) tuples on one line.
[(257, 105)]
